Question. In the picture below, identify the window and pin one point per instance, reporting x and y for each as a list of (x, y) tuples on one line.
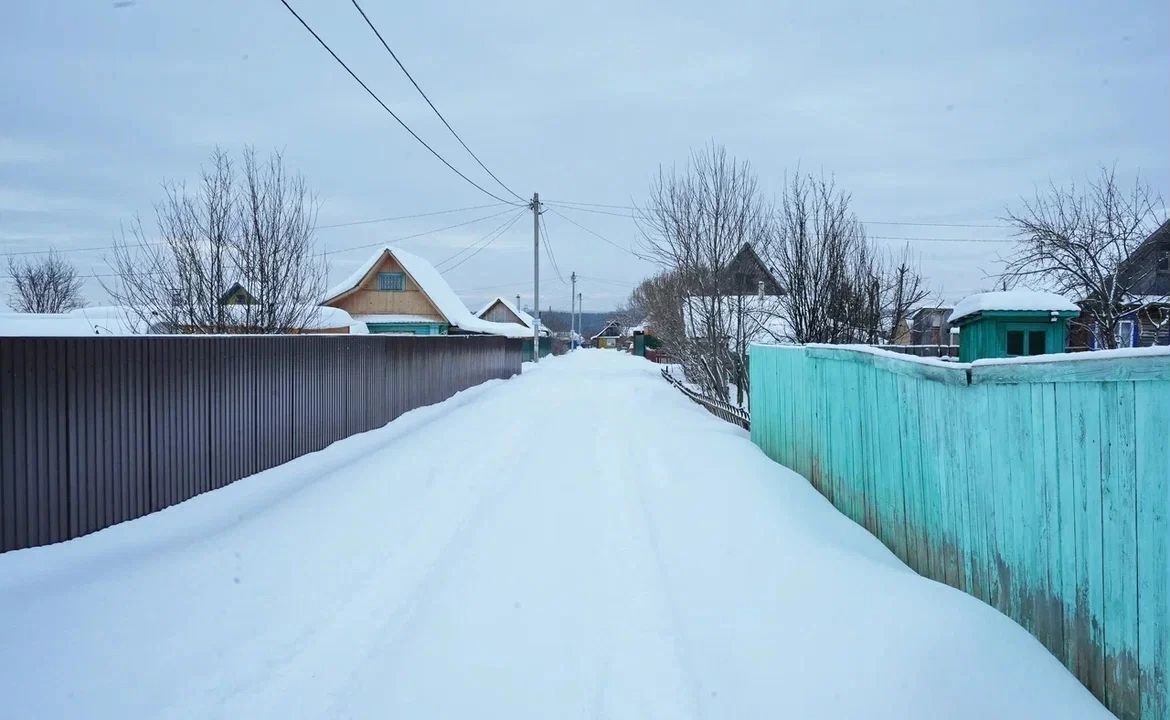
[(1015, 343), (1125, 333), (1037, 342), (1164, 263), (391, 281)]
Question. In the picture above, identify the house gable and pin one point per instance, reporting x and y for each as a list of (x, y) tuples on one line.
[(1147, 270), (366, 299), (499, 312), (747, 270)]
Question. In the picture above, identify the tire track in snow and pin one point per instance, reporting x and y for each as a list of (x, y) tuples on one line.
[(393, 588), (649, 620)]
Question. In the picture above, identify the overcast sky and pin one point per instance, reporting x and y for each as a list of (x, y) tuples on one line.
[(926, 112)]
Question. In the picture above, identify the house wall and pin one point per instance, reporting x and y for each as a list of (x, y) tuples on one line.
[(368, 300), (923, 331), (499, 312), (1039, 488), (986, 336)]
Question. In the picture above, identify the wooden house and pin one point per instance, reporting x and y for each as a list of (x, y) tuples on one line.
[(748, 274), (931, 326), (609, 337), (237, 294), (1144, 278), (400, 293), (501, 311)]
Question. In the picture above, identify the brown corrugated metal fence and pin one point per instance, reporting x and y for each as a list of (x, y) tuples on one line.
[(94, 431)]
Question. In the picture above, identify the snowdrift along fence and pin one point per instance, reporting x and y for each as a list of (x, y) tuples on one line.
[(94, 431), (1042, 488)]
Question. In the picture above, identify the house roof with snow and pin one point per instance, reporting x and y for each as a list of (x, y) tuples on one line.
[(431, 284), (612, 329), (1012, 300), (500, 308)]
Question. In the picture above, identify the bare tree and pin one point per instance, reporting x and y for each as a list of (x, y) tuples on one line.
[(1078, 241), (274, 253), (256, 230), (838, 288), (693, 223), (47, 285)]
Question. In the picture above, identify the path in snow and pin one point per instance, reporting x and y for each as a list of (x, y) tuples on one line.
[(579, 542)]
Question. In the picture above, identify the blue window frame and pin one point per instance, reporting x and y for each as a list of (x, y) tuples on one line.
[(391, 281)]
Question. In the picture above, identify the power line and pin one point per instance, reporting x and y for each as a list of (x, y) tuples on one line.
[(383, 243), (498, 228), (387, 108), (598, 212), (525, 283), (610, 282), (490, 240), (935, 239), (548, 251), (64, 251), (96, 248), (424, 95), (408, 217), (866, 222), (595, 234), (875, 237)]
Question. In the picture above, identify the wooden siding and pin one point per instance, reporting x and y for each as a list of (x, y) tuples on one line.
[(366, 299), (1041, 489), (499, 312)]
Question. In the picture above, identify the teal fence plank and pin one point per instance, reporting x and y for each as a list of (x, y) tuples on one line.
[(1041, 488), (1153, 530)]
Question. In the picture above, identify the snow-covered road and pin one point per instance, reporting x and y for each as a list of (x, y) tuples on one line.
[(579, 542)]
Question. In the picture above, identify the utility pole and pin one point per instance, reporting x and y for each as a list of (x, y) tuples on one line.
[(580, 320), (536, 276), (573, 313)]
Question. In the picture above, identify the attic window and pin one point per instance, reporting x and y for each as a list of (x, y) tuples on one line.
[(391, 281)]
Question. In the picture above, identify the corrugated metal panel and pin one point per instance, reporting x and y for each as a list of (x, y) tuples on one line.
[(94, 431)]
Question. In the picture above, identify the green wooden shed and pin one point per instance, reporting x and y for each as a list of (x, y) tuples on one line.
[(1012, 323)]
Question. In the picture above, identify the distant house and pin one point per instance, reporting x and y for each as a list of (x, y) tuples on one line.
[(500, 310), (400, 293), (748, 274), (609, 337), (237, 294), (747, 309), (749, 318), (1145, 275), (931, 326)]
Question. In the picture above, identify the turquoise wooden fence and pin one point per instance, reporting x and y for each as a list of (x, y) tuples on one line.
[(1040, 488)]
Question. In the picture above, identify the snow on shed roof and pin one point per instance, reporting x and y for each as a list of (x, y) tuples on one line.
[(1012, 300), (435, 287)]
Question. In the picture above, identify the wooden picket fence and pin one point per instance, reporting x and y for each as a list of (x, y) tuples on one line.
[(1041, 488)]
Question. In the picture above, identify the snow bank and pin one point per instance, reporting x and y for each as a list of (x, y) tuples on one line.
[(1012, 300), (655, 564)]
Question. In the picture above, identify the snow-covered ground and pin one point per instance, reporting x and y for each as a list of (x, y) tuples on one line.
[(579, 542)]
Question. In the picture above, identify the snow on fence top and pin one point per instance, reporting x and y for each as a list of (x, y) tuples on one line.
[(1012, 300)]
